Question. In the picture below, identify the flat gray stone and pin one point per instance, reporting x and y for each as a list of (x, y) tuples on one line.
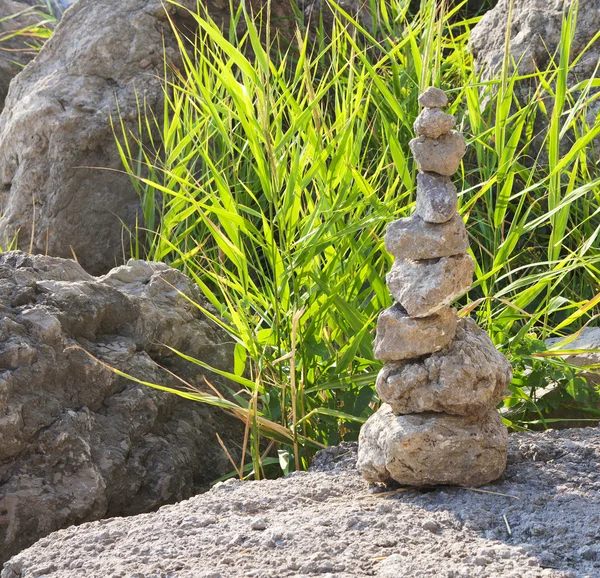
[(425, 287), (413, 238), (468, 377), (432, 449), (402, 337), (433, 97), (437, 201), (433, 123), (441, 155)]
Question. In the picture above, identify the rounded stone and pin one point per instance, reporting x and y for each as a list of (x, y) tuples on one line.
[(432, 449), (402, 337), (425, 287), (433, 97), (413, 238), (437, 201), (468, 377), (433, 123), (441, 155)]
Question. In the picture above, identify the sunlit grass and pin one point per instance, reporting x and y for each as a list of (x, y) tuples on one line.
[(269, 179)]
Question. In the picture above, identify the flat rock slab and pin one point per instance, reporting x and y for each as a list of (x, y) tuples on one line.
[(425, 287), (431, 449), (467, 378), (441, 155), (412, 238), (402, 337), (330, 523)]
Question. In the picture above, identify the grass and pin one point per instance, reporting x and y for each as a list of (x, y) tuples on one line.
[(31, 38), (269, 178)]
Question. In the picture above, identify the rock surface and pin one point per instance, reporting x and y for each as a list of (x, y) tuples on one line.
[(466, 378), (433, 123), (430, 449), (328, 522), (414, 239), (402, 337), (425, 287), (589, 338), (433, 97), (441, 155), (55, 132), (437, 199), (78, 442), (535, 38)]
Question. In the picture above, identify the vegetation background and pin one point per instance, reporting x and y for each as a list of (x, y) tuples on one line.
[(276, 164)]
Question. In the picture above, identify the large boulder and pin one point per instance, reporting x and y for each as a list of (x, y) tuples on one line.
[(77, 441), (534, 41), (62, 189)]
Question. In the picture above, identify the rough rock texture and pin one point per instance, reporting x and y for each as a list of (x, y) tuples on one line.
[(441, 155), (535, 38), (589, 338), (425, 287), (328, 522), (402, 337), (433, 97), (433, 123), (535, 34), (466, 378), (414, 239), (14, 52), (432, 448), (78, 442), (55, 131), (437, 200)]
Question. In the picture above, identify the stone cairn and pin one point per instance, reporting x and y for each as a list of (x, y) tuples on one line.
[(443, 376)]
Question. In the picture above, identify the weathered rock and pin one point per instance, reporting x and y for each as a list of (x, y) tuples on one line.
[(56, 134), (441, 155), (402, 337), (588, 338), (433, 123), (433, 97), (78, 442), (412, 238), (535, 38), (437, 200), (425, 287), (431, 449), (469, 377)]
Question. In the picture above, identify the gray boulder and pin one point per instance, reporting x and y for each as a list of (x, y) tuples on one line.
[(62, 189), (77, 441), (425, 287), (402, 337), (432, 449), (469, 377), (535, 39), (414, 239), (433, 123)]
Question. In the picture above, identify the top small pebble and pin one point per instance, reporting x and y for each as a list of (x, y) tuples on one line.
[(433, 98)]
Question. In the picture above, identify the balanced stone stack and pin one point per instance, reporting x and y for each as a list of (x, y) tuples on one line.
[(443, 376)]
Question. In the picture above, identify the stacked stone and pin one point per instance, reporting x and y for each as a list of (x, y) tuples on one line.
[(443, 376)]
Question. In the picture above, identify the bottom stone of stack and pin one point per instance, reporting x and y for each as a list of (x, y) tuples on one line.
[(431, 449)]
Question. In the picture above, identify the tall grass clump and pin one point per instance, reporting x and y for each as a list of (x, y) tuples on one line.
[(271, 173), (43, 18)]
